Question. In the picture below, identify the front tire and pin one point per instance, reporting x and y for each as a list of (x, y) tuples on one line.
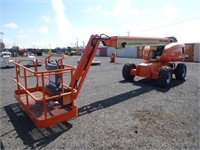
[(180, 71), (165, 76), (126, 71)]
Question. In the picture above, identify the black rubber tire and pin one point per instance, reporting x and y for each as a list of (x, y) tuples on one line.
[(165, 76), (180, 71), (126, 71)]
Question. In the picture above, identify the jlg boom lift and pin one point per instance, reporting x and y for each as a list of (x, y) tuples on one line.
[(51, 99)]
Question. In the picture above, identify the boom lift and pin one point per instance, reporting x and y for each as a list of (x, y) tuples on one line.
[(51, 100)]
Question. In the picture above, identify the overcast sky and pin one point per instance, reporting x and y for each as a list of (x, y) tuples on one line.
[(61, 23)]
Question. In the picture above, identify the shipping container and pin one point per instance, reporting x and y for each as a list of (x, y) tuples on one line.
[(103, 51), (196, 57), (192, 51), (189, 51)]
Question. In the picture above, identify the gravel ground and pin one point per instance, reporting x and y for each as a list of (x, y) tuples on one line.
[(113, 114)]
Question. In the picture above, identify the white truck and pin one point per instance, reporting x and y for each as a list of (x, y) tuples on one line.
[(6, 62)]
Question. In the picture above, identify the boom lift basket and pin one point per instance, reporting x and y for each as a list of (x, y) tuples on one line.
[(45, 102)]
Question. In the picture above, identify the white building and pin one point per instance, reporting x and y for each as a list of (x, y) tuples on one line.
[(125, 52)]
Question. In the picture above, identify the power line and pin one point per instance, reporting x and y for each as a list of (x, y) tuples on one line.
[(171, 24)]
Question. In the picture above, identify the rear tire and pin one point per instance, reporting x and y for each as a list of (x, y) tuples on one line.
[(180, 71), (126, 71), (165, 76)]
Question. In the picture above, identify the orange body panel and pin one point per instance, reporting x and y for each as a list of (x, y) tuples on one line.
[(146, 51), (172, 52), (147, 70)]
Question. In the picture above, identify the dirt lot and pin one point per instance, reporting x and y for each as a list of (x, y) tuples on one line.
[(113, 114)]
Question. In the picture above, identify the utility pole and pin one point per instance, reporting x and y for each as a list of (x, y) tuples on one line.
[(15, 43), (1, 36), (77, 42), (83, 43)]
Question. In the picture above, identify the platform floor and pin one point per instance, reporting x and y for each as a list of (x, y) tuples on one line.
[(37, 107)]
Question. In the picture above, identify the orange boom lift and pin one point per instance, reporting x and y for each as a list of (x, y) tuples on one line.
[(52, 98)]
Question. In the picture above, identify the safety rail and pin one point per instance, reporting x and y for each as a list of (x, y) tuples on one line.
[(33, 97), (59, 61)]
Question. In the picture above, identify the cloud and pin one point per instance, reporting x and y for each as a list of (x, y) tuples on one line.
[(122, 9), (63, 24), (45, 18), (11, 25), (84, 33), (96, 8), (170, 13), (22, 36), (43, 29), (58, 7)]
